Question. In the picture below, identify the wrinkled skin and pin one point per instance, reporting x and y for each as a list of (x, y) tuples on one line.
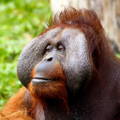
[(72, 57)]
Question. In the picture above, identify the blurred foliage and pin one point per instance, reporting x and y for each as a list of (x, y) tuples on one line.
[(118, 55), (20, 21)]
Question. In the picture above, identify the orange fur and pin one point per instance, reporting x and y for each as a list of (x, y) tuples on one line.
[(14, 109)]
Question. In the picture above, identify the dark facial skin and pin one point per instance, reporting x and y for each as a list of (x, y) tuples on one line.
[(54, 52)]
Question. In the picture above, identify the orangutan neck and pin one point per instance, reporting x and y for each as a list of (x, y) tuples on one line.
[(58, 110)]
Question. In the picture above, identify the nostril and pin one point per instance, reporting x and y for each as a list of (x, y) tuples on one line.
[(50, 59)]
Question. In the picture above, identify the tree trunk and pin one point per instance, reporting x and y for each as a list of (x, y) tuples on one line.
[(107, 10)]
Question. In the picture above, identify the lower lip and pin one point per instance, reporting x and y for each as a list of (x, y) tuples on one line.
[(38, 81)]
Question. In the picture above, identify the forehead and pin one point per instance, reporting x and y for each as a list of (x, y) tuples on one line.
[(59, 33)]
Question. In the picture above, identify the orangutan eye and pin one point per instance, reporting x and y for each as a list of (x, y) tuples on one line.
[(60, 47), (48, 48)]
